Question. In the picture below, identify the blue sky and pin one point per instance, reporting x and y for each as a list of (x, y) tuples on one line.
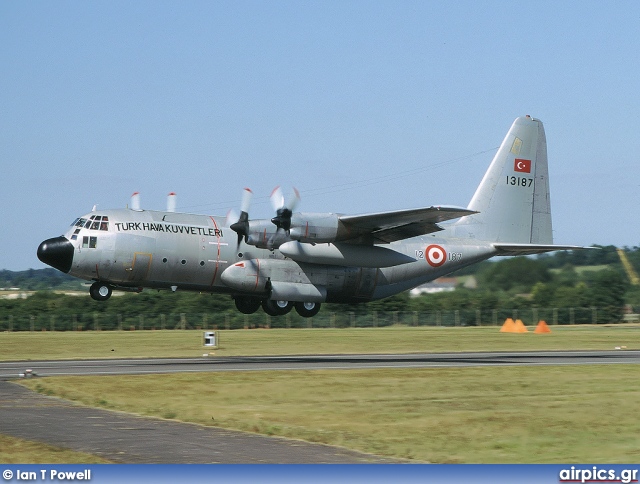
[(362, 105)]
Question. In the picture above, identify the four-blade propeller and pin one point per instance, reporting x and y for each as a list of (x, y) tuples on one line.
[(284, 211), (241, 227)]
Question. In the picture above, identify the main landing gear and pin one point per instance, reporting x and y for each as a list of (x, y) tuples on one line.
[(249, 305)]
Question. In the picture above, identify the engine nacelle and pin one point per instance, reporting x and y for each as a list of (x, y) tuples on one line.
[(315, 227), (305, 227), (262, 234)]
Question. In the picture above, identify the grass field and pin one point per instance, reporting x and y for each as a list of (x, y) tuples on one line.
[(575, 414), (508, 414), (19, 451), (395, 339)]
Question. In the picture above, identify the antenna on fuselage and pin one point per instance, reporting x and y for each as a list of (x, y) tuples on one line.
[(135, 202), (171, 202)]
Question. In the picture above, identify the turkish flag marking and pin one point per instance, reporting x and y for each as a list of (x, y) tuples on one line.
[(523, 166)]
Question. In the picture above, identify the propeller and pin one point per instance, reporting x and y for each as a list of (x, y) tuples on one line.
[(241, 227), (284, 211)]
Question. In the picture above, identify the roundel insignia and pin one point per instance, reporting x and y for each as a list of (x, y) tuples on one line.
[(436, 255)]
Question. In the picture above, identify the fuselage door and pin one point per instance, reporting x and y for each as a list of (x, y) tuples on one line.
[(140, 266)]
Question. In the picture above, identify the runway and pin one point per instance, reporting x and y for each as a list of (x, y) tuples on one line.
[(14, 369)]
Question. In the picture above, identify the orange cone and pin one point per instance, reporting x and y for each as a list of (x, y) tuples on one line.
[(520, 327), (508, 326), (542, 328)]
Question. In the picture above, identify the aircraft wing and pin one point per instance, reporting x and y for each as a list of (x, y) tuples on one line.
[(529, 249), (400, 224)]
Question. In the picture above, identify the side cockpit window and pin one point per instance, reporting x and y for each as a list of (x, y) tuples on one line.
[(89, 242), (78, 224)]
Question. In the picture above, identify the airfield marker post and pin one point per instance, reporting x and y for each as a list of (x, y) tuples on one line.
[(210, 339)]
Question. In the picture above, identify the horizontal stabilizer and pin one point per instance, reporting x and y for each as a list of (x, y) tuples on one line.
[(530, 249)]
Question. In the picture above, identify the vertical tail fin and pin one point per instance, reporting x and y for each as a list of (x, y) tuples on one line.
[(513, 198)]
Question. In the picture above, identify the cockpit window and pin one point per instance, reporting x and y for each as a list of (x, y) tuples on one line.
[(95, 222), (100, 222)]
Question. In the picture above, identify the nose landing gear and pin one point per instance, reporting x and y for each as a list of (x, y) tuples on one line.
[(100, 291)]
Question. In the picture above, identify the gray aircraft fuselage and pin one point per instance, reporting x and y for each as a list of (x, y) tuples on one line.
[(165, 250)]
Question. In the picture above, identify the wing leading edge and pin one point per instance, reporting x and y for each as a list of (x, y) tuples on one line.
[(385, 227)]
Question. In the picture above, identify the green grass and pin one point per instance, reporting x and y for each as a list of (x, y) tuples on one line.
[(397, 339), (19, 451), (540, 414)]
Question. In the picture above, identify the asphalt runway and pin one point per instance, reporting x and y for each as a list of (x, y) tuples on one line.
[(125, 438), (9, 370)]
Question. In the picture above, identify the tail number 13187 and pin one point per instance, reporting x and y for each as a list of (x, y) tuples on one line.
[(519, 181)]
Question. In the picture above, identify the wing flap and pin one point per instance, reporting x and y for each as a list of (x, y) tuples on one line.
[(401, 224)]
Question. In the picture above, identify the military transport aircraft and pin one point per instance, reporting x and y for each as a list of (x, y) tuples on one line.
[(300, 260)]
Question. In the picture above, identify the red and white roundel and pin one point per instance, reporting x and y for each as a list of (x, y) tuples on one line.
[(436, 255)]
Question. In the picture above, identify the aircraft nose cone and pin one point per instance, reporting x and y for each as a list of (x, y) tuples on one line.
[(56, 252)]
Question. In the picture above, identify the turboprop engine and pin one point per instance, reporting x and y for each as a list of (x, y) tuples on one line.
[(315, 227), (286, 225), (307, 228)]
